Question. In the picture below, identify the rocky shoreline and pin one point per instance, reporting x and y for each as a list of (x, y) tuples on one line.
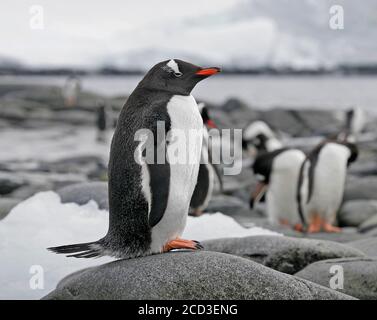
[(296, 266)]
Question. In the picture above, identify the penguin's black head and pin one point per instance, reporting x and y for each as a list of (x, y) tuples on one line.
[(260, 142), (176, 76)]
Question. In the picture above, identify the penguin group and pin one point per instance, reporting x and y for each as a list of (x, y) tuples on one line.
[(303, 190)]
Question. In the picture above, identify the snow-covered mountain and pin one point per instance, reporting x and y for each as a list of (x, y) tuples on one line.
[(254, 33), (231, 33)]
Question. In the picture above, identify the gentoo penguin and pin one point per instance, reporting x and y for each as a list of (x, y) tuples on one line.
[(279, 172), (149, 200), (71, 91), (207, 170), (101, 122), (258, 136), (354, 125), (322, 181)]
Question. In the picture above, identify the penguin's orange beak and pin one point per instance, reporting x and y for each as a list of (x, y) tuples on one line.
[(208, 71)]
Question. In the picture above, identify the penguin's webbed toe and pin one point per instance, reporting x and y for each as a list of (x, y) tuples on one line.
[(182, 244)]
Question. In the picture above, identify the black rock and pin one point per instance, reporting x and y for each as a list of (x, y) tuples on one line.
[(10, 183), (187, 276), (360, 275), (82, 193), (284, 254)]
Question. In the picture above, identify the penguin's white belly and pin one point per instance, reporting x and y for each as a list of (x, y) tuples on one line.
[(329, 181), (183, 152), (282, 192), (328, 189)]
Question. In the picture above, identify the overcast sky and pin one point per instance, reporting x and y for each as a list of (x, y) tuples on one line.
[(238, 32)]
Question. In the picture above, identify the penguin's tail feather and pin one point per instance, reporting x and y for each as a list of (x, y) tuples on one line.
[(79, 250)]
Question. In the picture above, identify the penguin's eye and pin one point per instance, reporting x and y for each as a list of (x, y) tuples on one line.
[(178, 74)]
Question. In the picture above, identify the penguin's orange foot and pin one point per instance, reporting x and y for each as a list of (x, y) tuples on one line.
[(298, 227), (315, 224), (182, 244), (327, 227)]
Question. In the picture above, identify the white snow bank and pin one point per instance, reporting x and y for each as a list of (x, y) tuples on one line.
[(43, 221), (35, 224)]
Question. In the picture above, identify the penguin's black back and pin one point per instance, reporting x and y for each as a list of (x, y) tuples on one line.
[(129, 224)]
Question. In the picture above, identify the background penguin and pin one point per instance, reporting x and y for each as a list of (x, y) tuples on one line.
[(149, 202), (207, 171), (354, 125), (323, 177), (258, 136), (101, 122), (71, 90), (279, 171)]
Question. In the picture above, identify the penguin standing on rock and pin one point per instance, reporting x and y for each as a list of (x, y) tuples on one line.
[(279, 173), (322, 182), (207, 170), (149, 202)]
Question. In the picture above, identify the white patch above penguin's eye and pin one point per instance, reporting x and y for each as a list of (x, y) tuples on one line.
[(172, 66)]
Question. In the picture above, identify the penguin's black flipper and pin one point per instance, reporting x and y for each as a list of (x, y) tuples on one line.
[(159, 170), (79, 250), (159, 184)]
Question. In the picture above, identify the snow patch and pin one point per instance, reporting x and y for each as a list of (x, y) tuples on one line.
[(42, 221)]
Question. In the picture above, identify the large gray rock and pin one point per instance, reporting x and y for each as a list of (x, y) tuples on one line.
[(361, 188), (6, 205), (285, 254), (355, 212), (360, 275), (82, 193), (187, 276), (368, 246), (369, 224)]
